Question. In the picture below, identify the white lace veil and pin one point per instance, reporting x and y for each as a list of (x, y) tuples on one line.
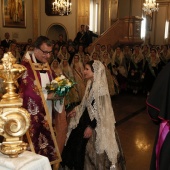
[(101, 110), (105, 140)]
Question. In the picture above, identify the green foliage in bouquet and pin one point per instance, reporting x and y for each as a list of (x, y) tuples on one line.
[(60, 86)]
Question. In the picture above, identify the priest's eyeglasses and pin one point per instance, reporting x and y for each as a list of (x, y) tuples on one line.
[(45, 52)]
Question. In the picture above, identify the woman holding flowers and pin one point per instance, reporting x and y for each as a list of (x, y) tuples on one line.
[(111, 78), (63, 53), (119, 65), (56, 67), (91, 142), (151, 70), (78, 69), (80, 52), (59, 120), (135, 78), (73, 96), (86, 59)]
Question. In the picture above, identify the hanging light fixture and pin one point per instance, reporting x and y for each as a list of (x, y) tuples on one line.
[(150, 6), (61, 7)]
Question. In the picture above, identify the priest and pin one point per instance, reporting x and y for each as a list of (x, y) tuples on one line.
[(38, 101)]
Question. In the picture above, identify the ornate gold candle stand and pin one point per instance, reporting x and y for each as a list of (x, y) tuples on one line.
[(14, 120)]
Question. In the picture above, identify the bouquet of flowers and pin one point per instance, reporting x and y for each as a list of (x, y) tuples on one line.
[(60, 86)]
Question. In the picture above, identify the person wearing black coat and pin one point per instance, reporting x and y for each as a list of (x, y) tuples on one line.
[(80, 37), (89, 36), (6, 42), (158, 107)]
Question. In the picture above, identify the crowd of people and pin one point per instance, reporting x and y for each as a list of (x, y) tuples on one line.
[(128, 68), (99, 75)]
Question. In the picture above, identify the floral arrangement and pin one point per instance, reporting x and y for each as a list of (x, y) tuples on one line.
[(60, 86)]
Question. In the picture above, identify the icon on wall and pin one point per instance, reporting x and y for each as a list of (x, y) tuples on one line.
[(14, 14)]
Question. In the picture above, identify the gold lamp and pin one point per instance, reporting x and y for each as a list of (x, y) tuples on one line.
[(14, 120)]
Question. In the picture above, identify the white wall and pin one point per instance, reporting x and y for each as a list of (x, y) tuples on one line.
[(161, 17), (68, 22)]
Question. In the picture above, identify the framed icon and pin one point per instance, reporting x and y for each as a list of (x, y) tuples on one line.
[(14, 13)]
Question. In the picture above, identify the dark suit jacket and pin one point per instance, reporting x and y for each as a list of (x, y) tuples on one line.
[(80, 38), (89, 37), (5, 44)]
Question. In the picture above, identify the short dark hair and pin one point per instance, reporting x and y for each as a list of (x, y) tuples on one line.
[(90, 63), (42, 39)]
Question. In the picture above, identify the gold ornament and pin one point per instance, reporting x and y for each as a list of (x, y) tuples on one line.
[(14, 120)]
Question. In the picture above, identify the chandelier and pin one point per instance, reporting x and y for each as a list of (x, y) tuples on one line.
[(61, 7), (150, 6)]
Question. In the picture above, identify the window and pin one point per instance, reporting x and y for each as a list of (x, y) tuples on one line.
[(143, 28), (91, 15), (94, 9), (166, 29)]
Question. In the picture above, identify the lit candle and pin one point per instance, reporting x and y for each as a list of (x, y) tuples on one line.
[(67, 5), (70, 6)]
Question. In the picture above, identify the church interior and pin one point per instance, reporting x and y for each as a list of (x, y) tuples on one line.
[(118, 24)]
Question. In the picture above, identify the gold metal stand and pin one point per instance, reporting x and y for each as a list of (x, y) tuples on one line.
[(14, 120)]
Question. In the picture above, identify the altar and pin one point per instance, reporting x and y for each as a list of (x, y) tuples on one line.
[(25, 161)]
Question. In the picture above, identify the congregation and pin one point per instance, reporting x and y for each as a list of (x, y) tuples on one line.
[(128, 68)]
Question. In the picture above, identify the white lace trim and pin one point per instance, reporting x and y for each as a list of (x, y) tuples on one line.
[(101, 110)]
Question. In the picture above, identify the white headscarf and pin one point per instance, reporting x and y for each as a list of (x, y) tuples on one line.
[(57, 70), (101, 110)]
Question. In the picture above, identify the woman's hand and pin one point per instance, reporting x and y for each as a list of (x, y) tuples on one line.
[(53, 96), (88, 132), (72, 113)]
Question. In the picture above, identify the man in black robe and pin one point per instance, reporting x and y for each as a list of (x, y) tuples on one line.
[(158, 106)]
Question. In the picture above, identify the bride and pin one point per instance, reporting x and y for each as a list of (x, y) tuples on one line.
[(91, 140)]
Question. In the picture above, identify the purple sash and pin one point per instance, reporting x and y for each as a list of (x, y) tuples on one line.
[(163, 131)]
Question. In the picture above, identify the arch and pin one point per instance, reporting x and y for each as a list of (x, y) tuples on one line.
[(54, 30)]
